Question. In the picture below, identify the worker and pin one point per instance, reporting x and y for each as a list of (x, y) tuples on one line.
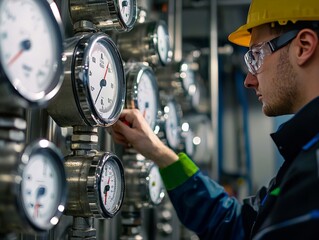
[(283, 71)]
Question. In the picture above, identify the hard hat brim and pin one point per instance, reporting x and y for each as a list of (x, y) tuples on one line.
[(241, 36)]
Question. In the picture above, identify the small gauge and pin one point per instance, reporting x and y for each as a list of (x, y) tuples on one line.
[(144, 186), (117, 15), (146, 42), (187, 76), (110, 183), (142, 92), (38, 189), (97, 185), (33, 69), (96, 94), (155, 185), (172, 115), (163, 44), (198, 138), (188, 138)]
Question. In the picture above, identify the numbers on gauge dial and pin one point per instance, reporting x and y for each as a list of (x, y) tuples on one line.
[(40, 189), (102, 80), (29, 64), (111, 186), (172, 125), (126, 10), (147, 97), (155, 185), (163, 43)]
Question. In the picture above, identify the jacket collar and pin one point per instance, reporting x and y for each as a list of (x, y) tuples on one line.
[(299, 130)]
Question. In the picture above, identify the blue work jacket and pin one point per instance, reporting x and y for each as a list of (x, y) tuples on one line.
[(286, 209)]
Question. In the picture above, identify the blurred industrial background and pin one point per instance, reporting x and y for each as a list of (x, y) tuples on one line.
[(69, 67)]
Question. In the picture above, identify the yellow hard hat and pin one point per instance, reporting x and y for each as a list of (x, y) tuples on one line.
[(268, 11)]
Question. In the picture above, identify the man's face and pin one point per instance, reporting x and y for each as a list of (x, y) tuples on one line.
[(274, 83)]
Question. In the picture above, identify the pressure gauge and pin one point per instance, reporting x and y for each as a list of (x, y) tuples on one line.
[(117, 15), (29, 68), (36, 190), (94, 84), (110, 184), (179, 80), (173, 114), (142, 92), (146, 42), (96, 183), (198, 135), (155, 185), (145, 187)]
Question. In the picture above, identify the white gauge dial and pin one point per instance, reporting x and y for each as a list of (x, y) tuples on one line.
[(102, 80), (147, 98), (172, 125), (127, 10), (156, 187), (189, 145), (41, 190), (163, 44), (188, 79), (29, 64), (111, 187)]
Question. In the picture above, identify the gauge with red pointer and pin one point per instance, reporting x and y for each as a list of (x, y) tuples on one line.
[(29, 68), (142, 91), (110, 184)]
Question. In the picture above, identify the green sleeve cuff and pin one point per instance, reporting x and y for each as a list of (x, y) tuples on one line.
[(177, 173)]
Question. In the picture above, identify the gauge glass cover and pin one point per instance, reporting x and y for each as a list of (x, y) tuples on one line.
[(156, 187), (111, 187), (104, 79), (127, 10), (147, 98), (163, 45), (41, 189), (172, 125), (30, 65)]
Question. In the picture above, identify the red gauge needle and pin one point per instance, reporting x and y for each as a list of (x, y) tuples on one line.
[(107, 68), (25, 45), (106, 189), (102, 82), (41, 191)]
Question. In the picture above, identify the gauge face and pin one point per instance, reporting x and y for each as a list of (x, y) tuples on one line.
[(188, 79), (106, 84), (189, 145), (163, 45), (32, 67), (111, 187), (172, 125), (127, 10), (156, 187), (41, 189), (147, 98)]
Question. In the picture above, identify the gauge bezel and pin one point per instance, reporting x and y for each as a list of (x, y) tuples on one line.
[(134, 73), (42, 146), (97, 186), (40, 99), (81, 85)]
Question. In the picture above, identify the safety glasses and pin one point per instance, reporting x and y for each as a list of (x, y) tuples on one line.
[(255, 56)]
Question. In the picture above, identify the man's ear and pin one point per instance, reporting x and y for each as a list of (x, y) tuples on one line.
[(306, 43)]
